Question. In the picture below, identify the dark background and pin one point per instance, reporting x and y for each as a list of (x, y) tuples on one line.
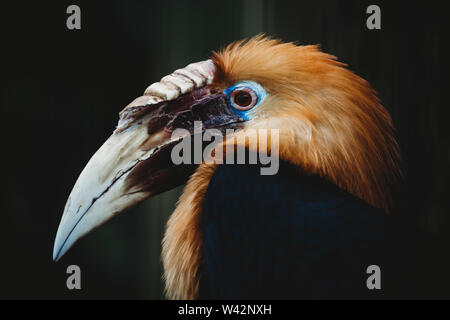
[(62, 91)]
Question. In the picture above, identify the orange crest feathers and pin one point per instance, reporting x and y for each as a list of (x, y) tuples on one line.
[(330, 120)]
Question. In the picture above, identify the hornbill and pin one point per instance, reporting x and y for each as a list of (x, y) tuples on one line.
[(310, 231)]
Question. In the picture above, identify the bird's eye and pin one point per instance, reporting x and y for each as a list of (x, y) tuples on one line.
[(243, 99), (244, 96)]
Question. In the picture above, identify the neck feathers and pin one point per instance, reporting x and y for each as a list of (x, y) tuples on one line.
[(182, 243)]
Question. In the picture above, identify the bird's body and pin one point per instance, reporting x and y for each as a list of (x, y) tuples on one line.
[(309, 231), (290, 235), (298, 236)]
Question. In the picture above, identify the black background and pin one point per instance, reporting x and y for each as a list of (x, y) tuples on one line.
[(62, 90)]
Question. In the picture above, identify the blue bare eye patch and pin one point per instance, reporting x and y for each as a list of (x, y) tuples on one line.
[(258, 89)]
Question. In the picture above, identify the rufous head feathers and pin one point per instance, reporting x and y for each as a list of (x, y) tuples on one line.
[(330, 120)]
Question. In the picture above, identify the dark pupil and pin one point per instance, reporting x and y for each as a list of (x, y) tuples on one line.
[(243, 99)]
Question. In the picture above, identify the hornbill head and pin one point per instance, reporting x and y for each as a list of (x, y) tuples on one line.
[(330, 123)]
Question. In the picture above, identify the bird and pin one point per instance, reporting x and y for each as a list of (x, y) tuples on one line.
[(313, 230)]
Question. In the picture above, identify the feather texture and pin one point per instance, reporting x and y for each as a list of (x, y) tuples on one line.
[(330, 123), (330, 120)]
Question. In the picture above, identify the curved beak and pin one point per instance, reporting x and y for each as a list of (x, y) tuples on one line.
[(135, 162)]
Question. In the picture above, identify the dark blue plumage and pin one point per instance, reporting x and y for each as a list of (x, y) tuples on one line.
[(294, 235)]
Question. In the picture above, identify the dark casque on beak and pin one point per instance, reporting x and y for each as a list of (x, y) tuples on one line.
[(135, 162)]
